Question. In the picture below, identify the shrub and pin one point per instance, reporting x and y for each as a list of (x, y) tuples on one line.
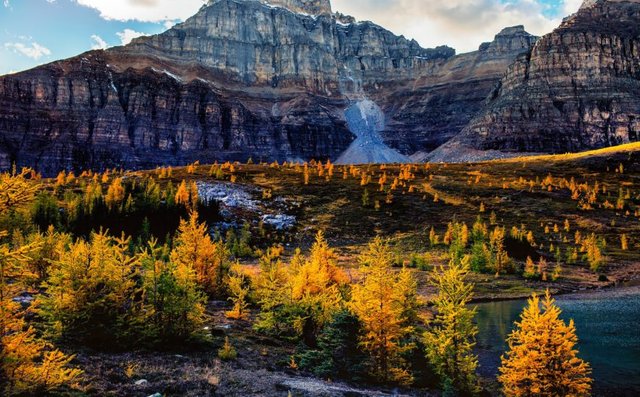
[(227, 352)]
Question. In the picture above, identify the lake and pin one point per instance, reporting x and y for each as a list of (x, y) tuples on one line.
[(608, 327)]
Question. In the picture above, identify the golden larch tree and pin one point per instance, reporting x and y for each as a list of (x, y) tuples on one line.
[(542, 359), (452, 336), (28, 365), (314, 285), (209, 260), (381, 301), (115, 194)]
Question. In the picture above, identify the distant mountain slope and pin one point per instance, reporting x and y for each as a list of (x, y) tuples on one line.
[(577, 89), (244, 78)]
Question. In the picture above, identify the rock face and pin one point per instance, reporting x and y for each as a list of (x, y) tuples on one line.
[(577, 89), (264, 79), (312, 7), (439, 103)]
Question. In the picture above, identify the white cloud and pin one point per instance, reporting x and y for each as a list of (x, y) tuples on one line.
[(33, 50), (98, 42), (144, 10), (462, 24), (571, 6), (127, 35)]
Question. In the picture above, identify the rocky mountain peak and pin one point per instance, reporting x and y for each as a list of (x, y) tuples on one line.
[(312, 7), (266, 79), (510, 39), (577, 89), (591, 3), (588, 3), (513, 31)]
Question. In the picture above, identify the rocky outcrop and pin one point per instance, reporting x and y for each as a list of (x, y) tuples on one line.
[(577, 89), (244, 78)]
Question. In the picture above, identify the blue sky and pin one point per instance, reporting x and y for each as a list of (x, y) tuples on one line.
[(34, 32)]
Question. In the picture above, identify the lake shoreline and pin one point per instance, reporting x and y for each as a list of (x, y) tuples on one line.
[(592, 291)]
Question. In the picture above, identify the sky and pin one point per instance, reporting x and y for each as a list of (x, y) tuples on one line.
[(34, 32)]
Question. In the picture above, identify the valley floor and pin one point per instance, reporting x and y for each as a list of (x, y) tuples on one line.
[(546, 208)]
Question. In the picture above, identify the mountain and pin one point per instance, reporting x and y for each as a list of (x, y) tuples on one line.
[(577, 89), (245, 78)]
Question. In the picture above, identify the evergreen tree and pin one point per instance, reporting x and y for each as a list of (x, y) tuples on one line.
[(338, 355), (115, 195), (175, 305), (270, 287), (315, 284), (91, 292), (238, 293)]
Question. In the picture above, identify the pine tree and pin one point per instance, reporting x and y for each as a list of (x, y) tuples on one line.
[(451, 338), (593, 252), (433, 237), (530, 269), (365, 198), (624, 242), (542, 358), (91, 289), (338, 355), (271, 291), (380, 302), (175, 305), (501, 262), (182, 196)]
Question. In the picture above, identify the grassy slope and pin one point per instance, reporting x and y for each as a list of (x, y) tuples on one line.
[(335, 206)]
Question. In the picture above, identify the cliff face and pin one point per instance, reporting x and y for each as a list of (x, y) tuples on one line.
[(577, 89), (268, 80), (438, 104)]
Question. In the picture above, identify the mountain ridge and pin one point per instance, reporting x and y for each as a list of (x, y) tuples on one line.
[(243, 79), (577, 89)]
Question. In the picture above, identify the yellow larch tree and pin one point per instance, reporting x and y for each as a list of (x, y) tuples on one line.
[(115, 194), (451, 338), (314, 284), (175, 304), (238, 284), (182, 195), (385, 302), (194, 248), (270, 290), (91, 290), (28, 364), (542, 359)]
